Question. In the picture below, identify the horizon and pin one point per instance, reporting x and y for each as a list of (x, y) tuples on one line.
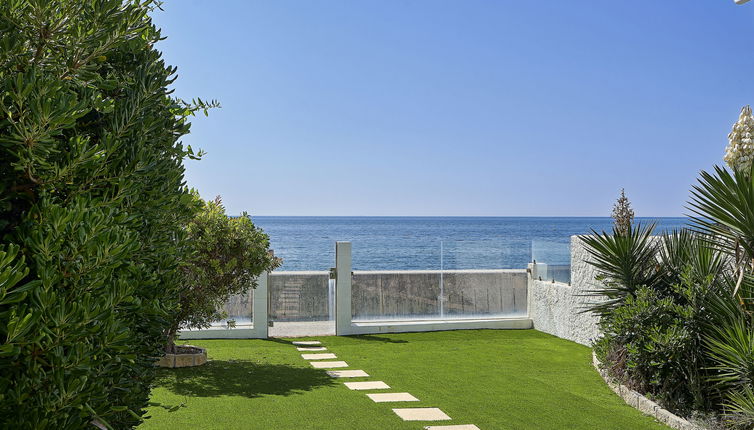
[(438, 108)]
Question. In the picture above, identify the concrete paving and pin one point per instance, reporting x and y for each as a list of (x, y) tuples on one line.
[(392, 397), (421, 414), (347, 373), (456, 427), (312, 348), (307, 342), (317, 356), (328, 364), (369, 385), (301, 328)]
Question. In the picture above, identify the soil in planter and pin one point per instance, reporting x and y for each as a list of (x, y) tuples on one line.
[(186, 349)]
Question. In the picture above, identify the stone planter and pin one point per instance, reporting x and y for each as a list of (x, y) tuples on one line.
[(187, 356)]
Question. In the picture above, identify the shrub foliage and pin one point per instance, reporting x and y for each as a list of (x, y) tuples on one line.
[(225, 257), (676, 311), (92, 209)]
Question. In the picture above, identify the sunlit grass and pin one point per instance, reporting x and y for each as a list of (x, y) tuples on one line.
[(496, 379)]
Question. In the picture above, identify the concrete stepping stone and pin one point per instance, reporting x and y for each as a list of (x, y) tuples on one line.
[(317, 356), (307, 342), (369, 385), (456, 427), (347, 373), (421, 414), (328, 364), (392, 397), (312, 348)]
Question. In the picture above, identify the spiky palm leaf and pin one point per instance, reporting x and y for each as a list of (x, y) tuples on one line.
[(740, 404), (624, 261), (731, 347), (723, 210), (686, 252)]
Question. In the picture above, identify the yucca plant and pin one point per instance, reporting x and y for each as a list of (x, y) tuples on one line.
[(625, 260), (731, 348), (678, 311), (723, 212)]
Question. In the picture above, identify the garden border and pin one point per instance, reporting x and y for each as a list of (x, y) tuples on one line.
[(637, 401)]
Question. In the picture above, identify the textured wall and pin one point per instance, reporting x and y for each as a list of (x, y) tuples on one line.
[(556, 308)]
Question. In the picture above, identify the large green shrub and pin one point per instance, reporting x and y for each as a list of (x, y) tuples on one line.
[(654, 332), (92, 192), (225, 257), (677, 311)]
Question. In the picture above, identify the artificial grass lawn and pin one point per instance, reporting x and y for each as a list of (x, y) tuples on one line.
[(496, 379)]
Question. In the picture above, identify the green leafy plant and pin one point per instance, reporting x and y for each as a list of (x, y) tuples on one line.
[(92, 196), (624, 261), (678, 317), (654, 335), (225, 257)]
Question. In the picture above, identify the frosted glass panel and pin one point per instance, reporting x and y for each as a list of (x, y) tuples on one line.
[(239, 311), (395, 295), (553, 260), (300, 304), (436, 295)]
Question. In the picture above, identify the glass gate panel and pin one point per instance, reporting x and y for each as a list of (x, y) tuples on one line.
[(301, 304), (238, 310)]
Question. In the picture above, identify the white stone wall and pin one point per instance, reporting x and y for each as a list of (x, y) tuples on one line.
[(557, 308)]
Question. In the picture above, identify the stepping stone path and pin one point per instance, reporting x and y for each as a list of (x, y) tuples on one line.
[(392, 397), (406, 414), (421, 414), (369, 385), (317, 356), (311, 349), (347, 373), (328, 364)]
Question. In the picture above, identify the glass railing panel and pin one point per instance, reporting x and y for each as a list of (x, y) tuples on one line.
[(396, 253), (495, 253), (238, 310), (553, 260), (484, 294), (404, 295)]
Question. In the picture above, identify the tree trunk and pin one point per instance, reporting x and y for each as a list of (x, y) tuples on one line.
[(170, 344)]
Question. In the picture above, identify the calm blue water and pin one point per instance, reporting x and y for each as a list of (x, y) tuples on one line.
[(411, 243)]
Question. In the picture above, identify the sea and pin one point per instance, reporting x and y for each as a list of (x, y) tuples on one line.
[(432, 243)]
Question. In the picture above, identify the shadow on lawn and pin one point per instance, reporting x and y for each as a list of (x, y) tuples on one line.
[(382, 338), (242, 378)]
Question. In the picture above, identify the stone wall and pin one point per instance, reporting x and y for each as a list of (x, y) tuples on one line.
[(557, 308)]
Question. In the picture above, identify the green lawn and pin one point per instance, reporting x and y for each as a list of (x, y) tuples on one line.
[(496, 379)]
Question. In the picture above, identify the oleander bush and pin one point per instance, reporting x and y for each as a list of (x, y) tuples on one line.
[(93, 207)]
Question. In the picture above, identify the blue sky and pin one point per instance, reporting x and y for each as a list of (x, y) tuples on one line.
[(478, 108)]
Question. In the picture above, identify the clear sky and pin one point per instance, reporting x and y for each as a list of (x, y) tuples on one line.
[(488, 108)]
